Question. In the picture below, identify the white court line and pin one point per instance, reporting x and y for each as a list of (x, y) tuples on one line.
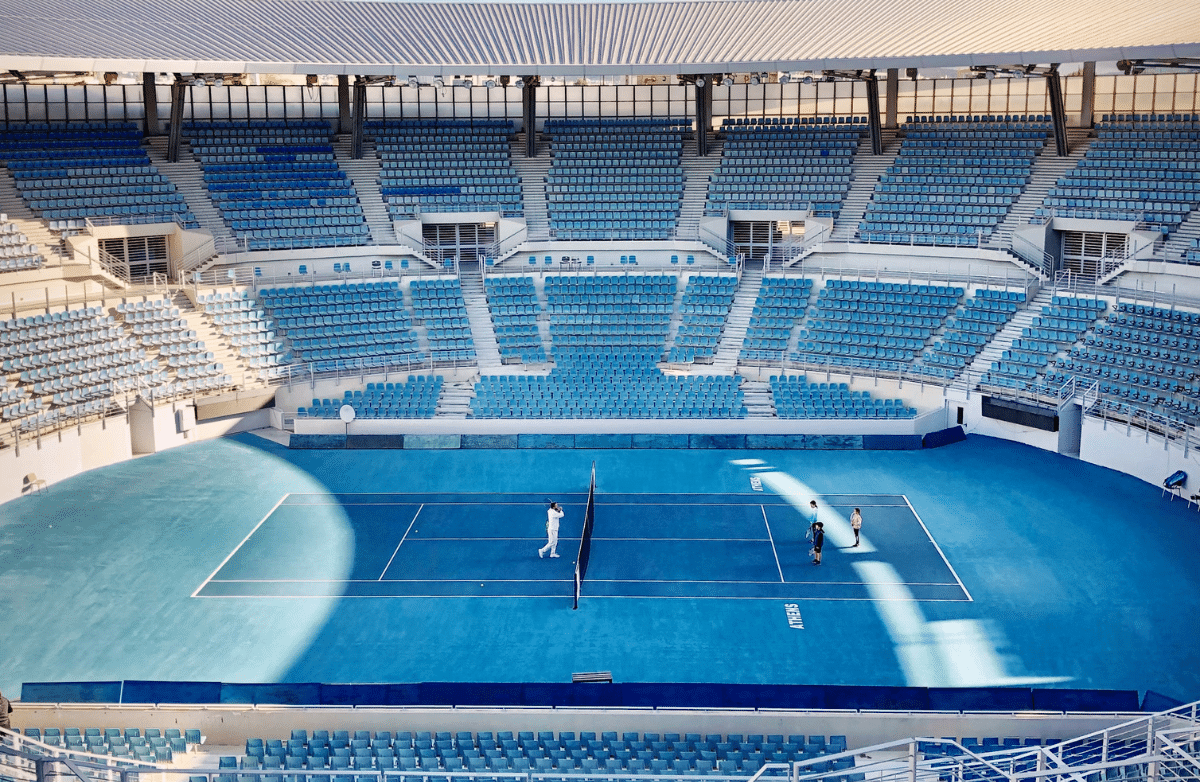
[(235, 550), (939, 550), (589, 597), (401, 543), (771, 537)]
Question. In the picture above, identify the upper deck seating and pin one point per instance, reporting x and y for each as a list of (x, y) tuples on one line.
[(68, 171), (16, 253), (615, 178), (780, 163), (446, 165), (954, 180), (1140, 168), (278, 183)]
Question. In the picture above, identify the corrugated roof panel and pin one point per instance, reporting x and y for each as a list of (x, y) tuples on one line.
[(573, 37)]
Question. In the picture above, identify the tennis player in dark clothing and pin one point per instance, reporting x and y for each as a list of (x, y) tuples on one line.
[(818, 541)]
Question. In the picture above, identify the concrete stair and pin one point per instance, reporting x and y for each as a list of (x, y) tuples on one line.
[(188, 176), (455, 399), (1048, 167), (725, 360), (696, 171), (532, 171), (758, 399), (483, 332), (1012, 330), (1176, 247), (865, 171), (364, 173)]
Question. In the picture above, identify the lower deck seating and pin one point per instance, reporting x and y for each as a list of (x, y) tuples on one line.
[(351, 325), (795, 397), (969, 330), (567, 753), (1025, 365), (416, 398), (781, 304), (705, 307), (862, 323), (513, 305), (1143, 357), (150, 745)]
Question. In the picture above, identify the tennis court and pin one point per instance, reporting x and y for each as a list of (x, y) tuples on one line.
[(749, 546)]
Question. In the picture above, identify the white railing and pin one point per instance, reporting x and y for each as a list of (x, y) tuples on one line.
[(1155, 748), (1041, 261)]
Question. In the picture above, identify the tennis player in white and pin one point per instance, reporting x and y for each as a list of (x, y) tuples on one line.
[(553, 514)]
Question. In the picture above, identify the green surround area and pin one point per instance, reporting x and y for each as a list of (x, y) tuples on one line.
[(1074, 572)]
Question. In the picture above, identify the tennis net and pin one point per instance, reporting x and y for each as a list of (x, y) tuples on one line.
[(585, 538)]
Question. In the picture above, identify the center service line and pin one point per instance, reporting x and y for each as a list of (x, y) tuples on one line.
[(772, 539), (401, 543)]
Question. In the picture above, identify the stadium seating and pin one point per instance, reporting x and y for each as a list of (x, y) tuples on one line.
[(969, 330), (416, 398), (158, 326), (566, 752), (244, 323), (953, 180), (1136, 169), (779, 163), (438, 304), (446, 165), (151, 745), (513, 304), (347, 326), (1143, 357), (608, 334), (16, 253), (1024, 366), (70, 364), (781, 304), (882, 325), (795, 397), (278, 184), (89, 170), (615, 178), (705, 306)]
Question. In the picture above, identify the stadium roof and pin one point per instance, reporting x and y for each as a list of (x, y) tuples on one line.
[(404, 37)]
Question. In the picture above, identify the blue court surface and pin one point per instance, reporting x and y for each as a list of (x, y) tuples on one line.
[(982, 563), (652, 545)]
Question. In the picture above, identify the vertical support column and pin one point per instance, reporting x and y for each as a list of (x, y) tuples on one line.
[(893, 98), (175, 138), (343, 93), (1058, 110), (358, 118), (150, 125), (529, 115), (873, 122), (912, 761), (1087, 106), (703, 113)]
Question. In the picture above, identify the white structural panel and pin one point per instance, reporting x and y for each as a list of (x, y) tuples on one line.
[(404, 37)]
